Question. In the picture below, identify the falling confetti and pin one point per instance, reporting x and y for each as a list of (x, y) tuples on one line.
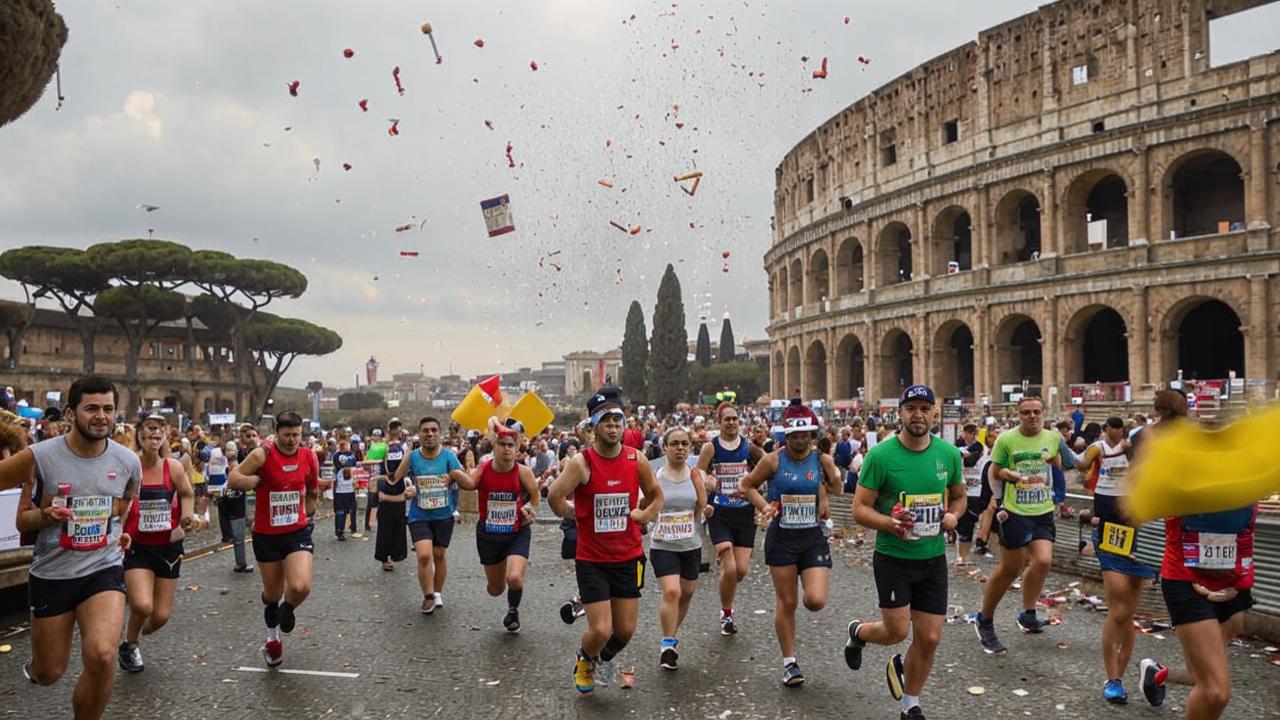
[(510, 160), (846, 19), (426, 30), (620, 227), (479, 42), (822, 73), (488, 124), (395, 74), (695, 176), (864, 59), (533, 65), (409, 253), (348, 53), (364, 105), (293, 87), (346, 166), (497, 215), (404, 228), (605, 183), (395, 126), (316, 162)]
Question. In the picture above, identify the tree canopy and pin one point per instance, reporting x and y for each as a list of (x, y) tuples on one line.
[(635, 355), (31, 38), (669, 345), (702, 352), (727, 351)]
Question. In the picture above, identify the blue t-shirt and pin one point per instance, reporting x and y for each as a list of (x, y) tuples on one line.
[(437, 497), (728, 467), (343, 482), (795, 488)]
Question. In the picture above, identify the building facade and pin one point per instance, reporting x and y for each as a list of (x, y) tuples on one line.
[(586, 370), (1078, 203)]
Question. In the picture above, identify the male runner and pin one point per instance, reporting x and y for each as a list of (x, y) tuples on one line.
[(605, 482), (973, 452), (1022, 485), (800, 482), (730, 518), (344, 492), (911, 490), (75, 490), (157, 522), (434, 469), (283, 475)]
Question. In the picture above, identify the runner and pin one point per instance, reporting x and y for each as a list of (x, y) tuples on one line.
[(572, 609), (911, 490), (433, 470), (283, 475), (979, 512), (1023, 488), (157, 522), (344, 492), (1207, 578), (1114, 539), (801, 481), (675, 546), (75, 488), (507, 498), (730, 518), (974, 455), (606, 481), (390, 546), (375, 460)]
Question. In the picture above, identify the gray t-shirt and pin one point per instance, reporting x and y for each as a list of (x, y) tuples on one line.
[(676, 529), (89, 542)]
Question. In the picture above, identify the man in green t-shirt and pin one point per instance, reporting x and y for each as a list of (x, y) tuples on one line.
[(373, 461), (911, 490), (1021, 478)]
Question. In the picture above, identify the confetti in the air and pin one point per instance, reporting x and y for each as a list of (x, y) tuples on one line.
[(293, 87), (348, 53), (395, 73), (821, 74)]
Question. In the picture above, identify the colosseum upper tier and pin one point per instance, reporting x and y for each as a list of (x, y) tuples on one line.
[(1080, 203)]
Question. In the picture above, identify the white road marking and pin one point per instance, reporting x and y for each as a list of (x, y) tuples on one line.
[(318, 673)]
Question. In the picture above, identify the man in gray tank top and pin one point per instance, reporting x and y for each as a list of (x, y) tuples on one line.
[(76, 490)]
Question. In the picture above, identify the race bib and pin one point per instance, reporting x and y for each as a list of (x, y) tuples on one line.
[(1038, 489), (972, 482), (1117, 539), (1212, 551), (285, 507), (612, 510), (433, 491), (927, 510), (500, 515), (155, 515), (727, 477), (326, 472), (673, 526), (798, 512), (90, 523)]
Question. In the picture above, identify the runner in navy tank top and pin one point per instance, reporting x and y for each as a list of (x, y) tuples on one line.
[(605, 482), (730, 518), (800, 482), (158, 519), (287, 482), (507, 497)]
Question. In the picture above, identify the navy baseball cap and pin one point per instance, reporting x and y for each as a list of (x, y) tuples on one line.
[(917, 392)]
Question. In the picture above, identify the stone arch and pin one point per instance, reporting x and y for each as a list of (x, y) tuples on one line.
[(897, 362), (851, 366), (1016, 228), (1207, 339), (1018, 352), (1101, 194), (894, 249), (815, 371), (952, 359), (850, 272), (793, 370), (819, 277), (779, 375), (1095, 346), (796, 294), (1202, 189), (952, 240)]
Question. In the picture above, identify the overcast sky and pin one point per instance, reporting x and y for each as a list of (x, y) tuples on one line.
[(186, 105)]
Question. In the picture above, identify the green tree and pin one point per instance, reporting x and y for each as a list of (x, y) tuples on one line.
[(68, 277), (15, 318), (138, 311), (669, 345), (31, 38), (748, 379), (635, 355), (275, 343), (702, 351), (727, 351)]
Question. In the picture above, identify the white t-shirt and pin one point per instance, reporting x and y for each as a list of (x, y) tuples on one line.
[(217, 464)]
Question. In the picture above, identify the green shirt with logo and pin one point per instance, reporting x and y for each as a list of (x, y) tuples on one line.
[(919, 480), (1030, 456)]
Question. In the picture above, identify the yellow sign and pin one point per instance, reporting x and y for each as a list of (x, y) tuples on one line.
[(1117, 539)]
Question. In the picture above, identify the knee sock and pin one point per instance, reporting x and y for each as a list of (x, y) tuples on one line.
[(269, 615), (611, 648), (513, 597)]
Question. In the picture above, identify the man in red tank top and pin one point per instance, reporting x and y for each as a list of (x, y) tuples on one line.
[(286, 479), (606, 481)]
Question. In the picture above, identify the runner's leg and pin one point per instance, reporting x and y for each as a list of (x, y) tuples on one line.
[(890, 630), (426, 566), (1123, 593), (1207, 661), (785, 600), (623, 614), (599, 627), (815, 581), (728, 573), (139, 586), (1007, 570), (1040, 554), (669, 614), (1229, 630), (495, 577), (101, 620), (272, 581), (926, 633), (687, 588), (297, 577), (161, 606), (237, 539), (442, 566), (51, 646)]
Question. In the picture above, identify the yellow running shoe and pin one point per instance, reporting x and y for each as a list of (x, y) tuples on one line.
[(584, 675)]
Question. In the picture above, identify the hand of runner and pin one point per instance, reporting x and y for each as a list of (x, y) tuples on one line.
[(763, 517), (53, 514), (708, 510), (949, 522), (186, 522), (1002, 515), (126, 541), (411, 491), (528, 512)]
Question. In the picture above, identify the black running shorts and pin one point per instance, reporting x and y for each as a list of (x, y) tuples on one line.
[(922, 584), (670, 562), (439, 532), (604, 581), (165, 561), (735, 525), (275, 548), (49, 598), (494, 549)]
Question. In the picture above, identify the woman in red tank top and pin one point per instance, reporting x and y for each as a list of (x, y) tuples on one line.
[(157, 521)]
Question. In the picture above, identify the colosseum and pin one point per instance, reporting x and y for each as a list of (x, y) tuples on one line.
[(1081, 203)]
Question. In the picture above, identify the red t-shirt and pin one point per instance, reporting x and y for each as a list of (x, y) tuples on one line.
[(633, 438), (603, 508), (280, 499), (155, 512), (500, 498), (1212, 549)]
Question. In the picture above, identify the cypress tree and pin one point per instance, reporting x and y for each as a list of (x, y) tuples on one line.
[(635, 355), (702, 355), (727, 350), (669, 345)]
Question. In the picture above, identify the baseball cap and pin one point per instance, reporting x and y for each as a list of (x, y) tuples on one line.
[(918, 392)]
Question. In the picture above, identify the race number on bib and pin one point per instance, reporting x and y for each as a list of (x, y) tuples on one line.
[(927, 510), (1116, 539), (90, 523), (674, 526), (433, 491), (500, 514), (155, 515), (973, 482), (728, 475), (1212, 551), (612, 511), (285, 507), (798, 512)]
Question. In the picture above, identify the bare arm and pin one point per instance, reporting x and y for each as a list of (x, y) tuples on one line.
[(751, 482), (866, 515), (186, 494), (957, 501), (402, 470), (652, 503), (831, 475), (244, 475), (575, 474), (17, 470), (465, 481), (700, 487), (1090, 456)]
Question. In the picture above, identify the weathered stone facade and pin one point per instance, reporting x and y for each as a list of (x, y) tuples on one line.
[(1078, 197)]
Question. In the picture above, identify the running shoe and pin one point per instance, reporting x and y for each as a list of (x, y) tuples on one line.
[(243, 569), (914, 713), (511, 621), (605, 672), (357, 535), (273, 653), (1029, 623), (986, 630), (791, 676), (853, 647), (895, 676), (342, 538), (584, 675), (26, 673), (439, 600), (571, 610), (428, 605), (287, 620), (1154, 676), (727, 625), (669, 658), (982, 550), (130, 656), (1113, 692)]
